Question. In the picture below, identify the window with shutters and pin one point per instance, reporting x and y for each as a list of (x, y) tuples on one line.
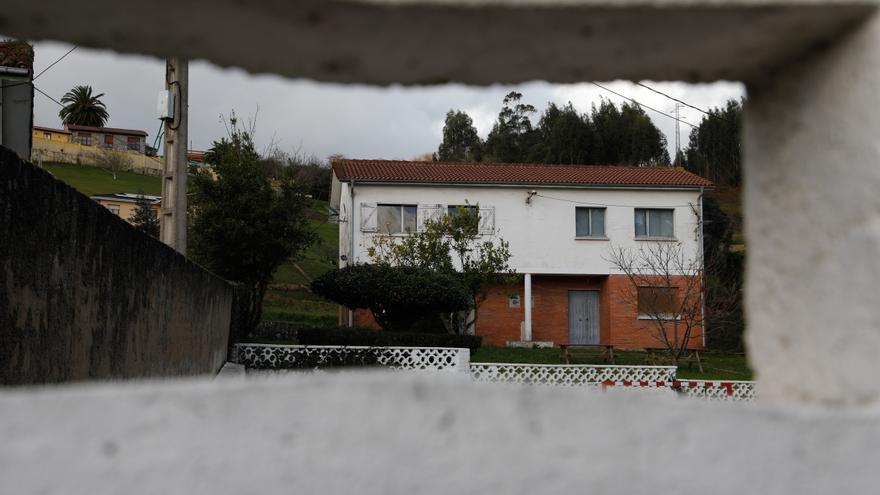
[(589, 223), (657, 302), (654, 223), (396, 219)]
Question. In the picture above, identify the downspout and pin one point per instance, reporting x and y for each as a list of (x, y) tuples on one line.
[(351, 243), (702, 271)]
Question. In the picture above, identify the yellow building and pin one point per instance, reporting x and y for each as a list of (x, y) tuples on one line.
[(124, 204), (48, 134)]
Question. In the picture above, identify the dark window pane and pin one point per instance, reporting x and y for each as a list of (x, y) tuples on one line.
[(666, 226), (582, 222), (409, 218), (597, 223), (388, 219), (655, 301), (641, 223)]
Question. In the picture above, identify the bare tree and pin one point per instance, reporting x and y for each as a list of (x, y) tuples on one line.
[(666, 287)]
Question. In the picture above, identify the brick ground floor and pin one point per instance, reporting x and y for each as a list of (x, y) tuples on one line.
[(501, 317)]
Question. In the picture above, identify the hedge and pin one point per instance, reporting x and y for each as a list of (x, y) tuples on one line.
[(359, 336)]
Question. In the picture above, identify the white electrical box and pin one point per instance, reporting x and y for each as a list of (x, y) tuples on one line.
[(165, 105)]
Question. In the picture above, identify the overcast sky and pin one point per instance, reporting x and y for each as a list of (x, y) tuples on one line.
[(324, 119)]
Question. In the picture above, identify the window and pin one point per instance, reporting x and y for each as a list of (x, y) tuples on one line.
[(114, 209), (108, 139), (84, 138), (514, 301), (654, 223), (397, 219), (589, 222), (47, 135), (657, 302), (134, 143)]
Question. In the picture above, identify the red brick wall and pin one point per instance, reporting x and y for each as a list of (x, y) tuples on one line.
[(498, 323)]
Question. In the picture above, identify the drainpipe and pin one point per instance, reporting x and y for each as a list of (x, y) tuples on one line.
[(528, 305), (351, 244), (702, 271)]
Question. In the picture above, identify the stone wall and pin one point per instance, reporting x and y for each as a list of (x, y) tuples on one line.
[(83, 295)]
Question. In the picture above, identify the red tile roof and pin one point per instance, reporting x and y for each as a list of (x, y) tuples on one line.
[(514, 173), (106, 130)]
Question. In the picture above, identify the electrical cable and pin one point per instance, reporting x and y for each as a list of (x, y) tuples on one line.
[(602, 204), (642, 104), (47, 96)]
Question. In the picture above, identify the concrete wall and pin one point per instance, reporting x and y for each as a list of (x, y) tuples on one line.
[(45, 150), (16, 114), (541, 235), (84, 295)]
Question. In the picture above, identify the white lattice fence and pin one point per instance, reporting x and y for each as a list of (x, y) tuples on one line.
[(717, 390), (270, 356), (572, 375)]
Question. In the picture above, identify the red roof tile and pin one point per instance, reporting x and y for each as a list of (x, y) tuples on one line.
[(514, 173)]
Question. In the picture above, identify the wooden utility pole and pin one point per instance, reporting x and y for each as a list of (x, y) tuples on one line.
[(173, 222)]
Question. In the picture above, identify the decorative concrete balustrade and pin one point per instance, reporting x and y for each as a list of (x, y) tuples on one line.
[(571, 375)]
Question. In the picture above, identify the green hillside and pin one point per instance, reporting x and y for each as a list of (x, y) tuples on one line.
[(94, 180), (289, 298)]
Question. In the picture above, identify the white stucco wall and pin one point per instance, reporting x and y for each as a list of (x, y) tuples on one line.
[(541, 234)]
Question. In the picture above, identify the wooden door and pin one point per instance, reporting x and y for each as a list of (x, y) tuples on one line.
[(583, 317)]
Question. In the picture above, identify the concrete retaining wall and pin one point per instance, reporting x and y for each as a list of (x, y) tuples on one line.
[(83, 295)]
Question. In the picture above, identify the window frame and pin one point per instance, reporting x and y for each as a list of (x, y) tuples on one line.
[(591, 236), (401, 206), (475, 209), (648, 236)]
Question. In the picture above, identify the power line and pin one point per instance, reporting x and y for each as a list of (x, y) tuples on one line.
[(675, 99), (55, 62), (47, 96), (642, 104), (601, 204)]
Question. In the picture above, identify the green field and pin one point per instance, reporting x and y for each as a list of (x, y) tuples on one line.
[(94, 180), (716, 366)]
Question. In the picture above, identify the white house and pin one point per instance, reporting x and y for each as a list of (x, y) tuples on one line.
[(561, 222)]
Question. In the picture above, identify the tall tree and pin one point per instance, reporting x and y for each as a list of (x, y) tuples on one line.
[(714, 149), (83, 108), (145, 218), (512, 137), (626, 136), (460, 140), (244, 224), (564, 136)]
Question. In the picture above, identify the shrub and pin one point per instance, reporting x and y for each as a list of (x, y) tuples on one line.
[(398, 296), (360, 336)]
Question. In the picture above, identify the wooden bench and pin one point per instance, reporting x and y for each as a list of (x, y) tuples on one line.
[(606, 351), (691, 356)]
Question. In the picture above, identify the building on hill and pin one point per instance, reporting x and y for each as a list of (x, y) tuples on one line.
[(561, 222), (132, 140), (124, 204), (51, 135)]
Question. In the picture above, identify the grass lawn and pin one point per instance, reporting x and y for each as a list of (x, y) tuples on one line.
[(295, 304), (94, 180), (717, 366)]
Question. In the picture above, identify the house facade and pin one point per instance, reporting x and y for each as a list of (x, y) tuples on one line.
[(125, 204), (561, 222), (131, 140)]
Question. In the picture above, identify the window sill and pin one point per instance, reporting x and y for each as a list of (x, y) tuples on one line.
[(657, 239), (664, 318), (591, 238)]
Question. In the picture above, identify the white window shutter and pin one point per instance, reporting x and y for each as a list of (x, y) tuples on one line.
[(369, 220), (487, 220), (426, 213)]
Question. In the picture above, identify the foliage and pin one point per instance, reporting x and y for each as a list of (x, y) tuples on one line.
[(145, 218), (460, 140), (244, 225), (113, 160), (451, 244), (724, 280), (333, 335), (398, 296), (83, 108), (564, 137), (626, 136), (715, 150), (512, 137)]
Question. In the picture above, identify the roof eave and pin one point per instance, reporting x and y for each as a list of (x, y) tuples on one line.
[(696, 187)]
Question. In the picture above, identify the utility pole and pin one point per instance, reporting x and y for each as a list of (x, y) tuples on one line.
[(173, 213), (675, 161)]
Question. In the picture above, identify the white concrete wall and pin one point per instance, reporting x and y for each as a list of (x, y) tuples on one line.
[(542, 234)]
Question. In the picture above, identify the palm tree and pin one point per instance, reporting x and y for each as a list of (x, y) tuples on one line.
[(81, 108)]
